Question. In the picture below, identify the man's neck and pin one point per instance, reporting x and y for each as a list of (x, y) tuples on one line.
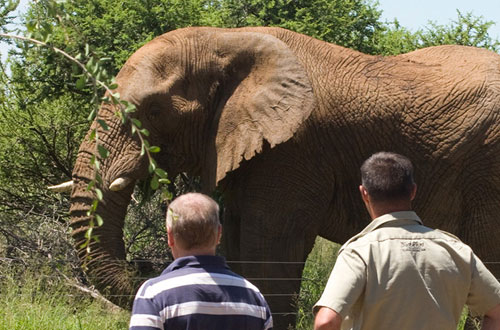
[(378, 210), (179, 253)]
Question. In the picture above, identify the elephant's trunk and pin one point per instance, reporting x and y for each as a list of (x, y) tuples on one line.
[(104, 258)]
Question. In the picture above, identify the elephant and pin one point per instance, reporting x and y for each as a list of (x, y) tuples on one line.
[(279, 123)]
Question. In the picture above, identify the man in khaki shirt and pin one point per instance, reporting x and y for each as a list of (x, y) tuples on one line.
[(399, 274)]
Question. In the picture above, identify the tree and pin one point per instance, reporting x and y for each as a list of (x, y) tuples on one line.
[(350, 23), (467, 30)]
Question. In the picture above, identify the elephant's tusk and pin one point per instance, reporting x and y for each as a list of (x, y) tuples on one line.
[(120, 184), (63, 187)]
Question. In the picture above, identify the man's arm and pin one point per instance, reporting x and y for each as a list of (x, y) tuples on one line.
[(145, 314), (327, 319), (492, 319)]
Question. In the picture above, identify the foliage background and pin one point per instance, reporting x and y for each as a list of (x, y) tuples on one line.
[(45, 105)]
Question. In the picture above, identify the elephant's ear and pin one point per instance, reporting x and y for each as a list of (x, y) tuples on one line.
[(267, 96)]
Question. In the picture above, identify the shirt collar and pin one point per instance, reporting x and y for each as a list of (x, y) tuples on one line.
[(399, 217), (196, 262), (390, 219)]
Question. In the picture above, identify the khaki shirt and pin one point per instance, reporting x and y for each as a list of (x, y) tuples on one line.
[(399, 274)]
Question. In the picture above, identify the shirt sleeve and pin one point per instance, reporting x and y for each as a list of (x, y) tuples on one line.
[(484, 292), (268, 325), (345, 285), (145, 313)]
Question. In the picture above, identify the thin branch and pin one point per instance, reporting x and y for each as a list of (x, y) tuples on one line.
[(59, 51)]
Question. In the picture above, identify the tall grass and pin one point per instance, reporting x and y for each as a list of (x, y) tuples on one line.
[(316, 272), (38, 301)]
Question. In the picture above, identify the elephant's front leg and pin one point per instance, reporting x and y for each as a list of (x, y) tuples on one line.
[(270, 224)]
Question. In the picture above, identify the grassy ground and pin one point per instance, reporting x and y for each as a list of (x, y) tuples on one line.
[(32, 302), (39, 301)]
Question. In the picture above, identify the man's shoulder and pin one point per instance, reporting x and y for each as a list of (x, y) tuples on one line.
[(388, 234), (448, 235)]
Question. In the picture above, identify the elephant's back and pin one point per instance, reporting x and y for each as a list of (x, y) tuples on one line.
[(472, 62)]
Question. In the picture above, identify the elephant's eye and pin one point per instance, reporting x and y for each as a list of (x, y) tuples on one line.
[(154, 111)]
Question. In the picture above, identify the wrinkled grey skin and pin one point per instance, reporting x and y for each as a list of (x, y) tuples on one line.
[(280, 123)]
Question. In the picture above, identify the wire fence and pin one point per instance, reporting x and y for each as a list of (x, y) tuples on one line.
[(166, 263)]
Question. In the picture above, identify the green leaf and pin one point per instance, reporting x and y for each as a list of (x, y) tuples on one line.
[(152, 165), (92, 135), (143, 150), (91, 185), (93, 208), (91, 65), (130, 108), (30, 26), (154, 182), (80, 83), (154, 149), (167, 195), (103, 152), (144, 132), (161, 173), (99, 194), (103, 124), (164, 181), (98, 178), (136, 122), (88, 233), (99, 220), (92, 115), (87, 50), (115, 97)]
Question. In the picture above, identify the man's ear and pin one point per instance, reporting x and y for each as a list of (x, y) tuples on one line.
[(413, 192), (219, 234), (170, 237), (364, 194)]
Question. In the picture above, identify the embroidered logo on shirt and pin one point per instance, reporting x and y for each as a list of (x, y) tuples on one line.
[(412, 246)]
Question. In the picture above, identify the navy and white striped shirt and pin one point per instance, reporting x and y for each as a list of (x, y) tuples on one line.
[(199, 292)]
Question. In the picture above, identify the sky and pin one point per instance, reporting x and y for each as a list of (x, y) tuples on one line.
[(414, 14)]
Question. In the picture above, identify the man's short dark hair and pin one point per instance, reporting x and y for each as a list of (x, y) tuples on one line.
[(387, 176)]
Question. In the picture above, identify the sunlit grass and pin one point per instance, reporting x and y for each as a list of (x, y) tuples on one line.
[(34, 302)]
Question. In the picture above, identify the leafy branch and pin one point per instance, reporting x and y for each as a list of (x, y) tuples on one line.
[(92, 72)]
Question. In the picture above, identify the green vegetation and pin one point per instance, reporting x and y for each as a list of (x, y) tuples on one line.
[(42, 301), (317, 270)]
